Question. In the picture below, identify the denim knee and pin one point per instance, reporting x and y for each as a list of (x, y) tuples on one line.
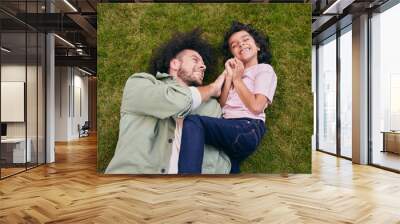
[(192, 120)]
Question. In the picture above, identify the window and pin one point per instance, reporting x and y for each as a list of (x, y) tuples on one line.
[(327, 95), (346, 92), (385, 88)]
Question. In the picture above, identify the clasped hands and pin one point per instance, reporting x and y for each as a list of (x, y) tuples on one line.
[(234, 70)]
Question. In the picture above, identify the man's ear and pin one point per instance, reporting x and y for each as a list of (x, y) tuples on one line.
[(175, 64)]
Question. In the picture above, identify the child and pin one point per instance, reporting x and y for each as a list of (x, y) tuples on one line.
[(249, 87)]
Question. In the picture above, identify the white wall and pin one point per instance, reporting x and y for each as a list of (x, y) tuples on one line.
[(13, 100), (62, 81), (16, 72), (80, 109), (13, 72), (71, 94), (33, 127)]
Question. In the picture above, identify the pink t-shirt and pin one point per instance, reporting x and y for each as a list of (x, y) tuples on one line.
[(259, 79)]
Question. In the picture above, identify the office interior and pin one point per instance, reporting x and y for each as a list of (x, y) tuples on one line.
[(48, 76), (48, 72), (48, 79), (356, 81)]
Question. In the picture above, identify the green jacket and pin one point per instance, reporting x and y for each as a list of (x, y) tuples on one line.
[(148, 109)]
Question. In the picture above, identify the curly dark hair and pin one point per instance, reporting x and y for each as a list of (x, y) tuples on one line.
[(181, 41), (262, 41)]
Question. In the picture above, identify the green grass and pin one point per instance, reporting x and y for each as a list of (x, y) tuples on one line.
[(127, 33)]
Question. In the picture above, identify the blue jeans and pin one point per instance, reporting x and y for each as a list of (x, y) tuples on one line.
[(238, 138)]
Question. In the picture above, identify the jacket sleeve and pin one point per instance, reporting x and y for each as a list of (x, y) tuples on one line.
[(143, 94)]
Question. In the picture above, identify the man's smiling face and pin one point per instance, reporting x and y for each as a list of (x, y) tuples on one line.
[(192, 67)]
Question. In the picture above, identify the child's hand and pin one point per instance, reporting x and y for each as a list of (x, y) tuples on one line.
[(238, 69)]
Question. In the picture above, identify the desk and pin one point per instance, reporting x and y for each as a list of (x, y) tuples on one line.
[(16, 147), (391, 141)]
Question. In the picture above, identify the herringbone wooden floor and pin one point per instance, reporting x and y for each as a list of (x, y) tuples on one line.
[(70, 191)]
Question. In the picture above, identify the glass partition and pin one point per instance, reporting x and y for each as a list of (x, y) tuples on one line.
[(22, 64), (41, 91), (327, 95), (31, 100), (346, 92), (385, 89), (13, 109)]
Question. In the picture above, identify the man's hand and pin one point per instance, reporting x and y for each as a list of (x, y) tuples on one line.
[(217, 85), (229, 65), (213, 89)]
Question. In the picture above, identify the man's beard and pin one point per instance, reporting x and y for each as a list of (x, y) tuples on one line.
[(186, 77)]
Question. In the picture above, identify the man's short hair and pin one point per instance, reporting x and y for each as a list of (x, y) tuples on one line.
[(163, 55)]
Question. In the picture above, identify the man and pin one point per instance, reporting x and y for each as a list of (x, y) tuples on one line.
[(153, 108)]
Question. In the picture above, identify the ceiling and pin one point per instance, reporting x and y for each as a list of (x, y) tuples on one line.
[(76, 22), (330, 15), (72, 20)]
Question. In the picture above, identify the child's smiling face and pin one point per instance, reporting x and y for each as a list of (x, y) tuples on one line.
[(243, 46)]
